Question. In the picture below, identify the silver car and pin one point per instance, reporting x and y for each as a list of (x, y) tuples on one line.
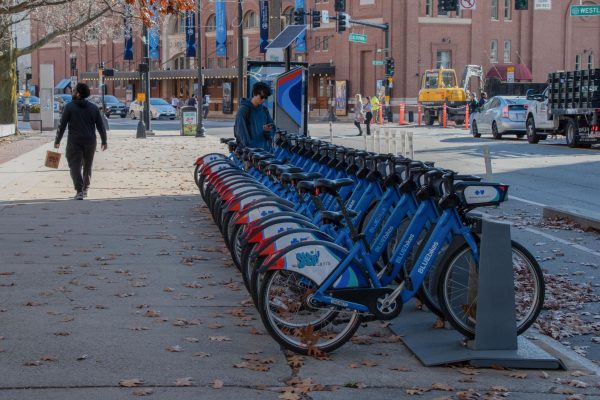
[(500, 115)]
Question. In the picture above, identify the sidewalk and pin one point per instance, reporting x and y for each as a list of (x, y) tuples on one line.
[(135, 283)]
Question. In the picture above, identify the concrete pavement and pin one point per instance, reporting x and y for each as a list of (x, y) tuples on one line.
[(135, 283)]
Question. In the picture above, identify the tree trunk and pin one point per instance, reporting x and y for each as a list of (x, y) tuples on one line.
[(8, 84)]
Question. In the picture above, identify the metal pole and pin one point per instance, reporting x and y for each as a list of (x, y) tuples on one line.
[(275, 16), (487, 157), (146, 79), (388, 89), (240, 55), (199, 102)]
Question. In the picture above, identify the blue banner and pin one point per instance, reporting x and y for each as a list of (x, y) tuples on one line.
[(154, 36), (221, 35), (264, 25), (190, 34), (128, 36), (301, 41)]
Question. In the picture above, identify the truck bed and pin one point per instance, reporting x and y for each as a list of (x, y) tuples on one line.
[(578, 90)]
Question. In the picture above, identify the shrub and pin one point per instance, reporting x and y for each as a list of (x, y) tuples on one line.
[(34, 108)]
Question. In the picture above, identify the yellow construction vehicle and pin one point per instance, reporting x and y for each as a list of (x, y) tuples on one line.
[(439, 87)]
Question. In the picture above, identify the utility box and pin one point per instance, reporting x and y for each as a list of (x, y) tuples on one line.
[(189, 121)]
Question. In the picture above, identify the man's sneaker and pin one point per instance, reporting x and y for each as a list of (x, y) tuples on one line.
[(85, 192), (79, 196)]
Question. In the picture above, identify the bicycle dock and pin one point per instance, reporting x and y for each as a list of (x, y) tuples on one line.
[(496, 342)]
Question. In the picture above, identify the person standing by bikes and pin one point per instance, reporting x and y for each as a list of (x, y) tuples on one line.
[(253, 124), (368, 114), (359, 113), (83, 118)]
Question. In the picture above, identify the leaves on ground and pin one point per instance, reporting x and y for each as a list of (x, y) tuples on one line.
[(188, 381), (217, 384), (131, 382)]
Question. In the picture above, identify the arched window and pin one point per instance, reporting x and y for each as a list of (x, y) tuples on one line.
[(286, 17), (179, 23), (211, 23), (251, 20)]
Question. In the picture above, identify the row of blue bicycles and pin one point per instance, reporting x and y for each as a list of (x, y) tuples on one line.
[(327, 237)]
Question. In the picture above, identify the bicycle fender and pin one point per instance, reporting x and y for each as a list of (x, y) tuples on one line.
[(272, 227), (275, 199), (264, 220), (289, 238), (237, 203), (209, 157), (255, 213)]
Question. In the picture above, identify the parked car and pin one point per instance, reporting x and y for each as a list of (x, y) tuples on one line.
[(21, 102), (114, 106), (499, 116), (62, 100), (159, 109)]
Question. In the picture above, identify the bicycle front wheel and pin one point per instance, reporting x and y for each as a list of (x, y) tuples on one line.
[(297, 325), (457, 289)]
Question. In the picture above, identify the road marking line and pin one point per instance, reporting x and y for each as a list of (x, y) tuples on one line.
[(526, 201)]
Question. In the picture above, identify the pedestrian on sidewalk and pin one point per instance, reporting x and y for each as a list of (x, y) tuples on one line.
[(205, 106), (368, 114), (375, 108), (175, 104), (359, 113), (253, 124), (192, 101), (83, 118), (482, 100)]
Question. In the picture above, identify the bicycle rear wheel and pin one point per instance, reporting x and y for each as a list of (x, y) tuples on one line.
[(457, 289), (297, 325)]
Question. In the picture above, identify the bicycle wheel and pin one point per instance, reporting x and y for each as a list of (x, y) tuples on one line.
[(457, 289), (297, 325)]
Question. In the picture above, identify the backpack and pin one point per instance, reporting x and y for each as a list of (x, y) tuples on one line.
[(246, 118)]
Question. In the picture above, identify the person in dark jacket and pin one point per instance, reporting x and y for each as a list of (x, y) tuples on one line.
[(253, 123), (192, 101), (482, 100), (83, 118)]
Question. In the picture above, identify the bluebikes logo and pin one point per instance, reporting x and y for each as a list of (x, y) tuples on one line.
[(308, 258), (298, 240), (265, 213), (480, 192)]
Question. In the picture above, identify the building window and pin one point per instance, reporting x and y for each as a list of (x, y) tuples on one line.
[(286, 17), (211, 24), (221, 62), (318, 43), (251, 20), (577, 62), (326, 43), (444, 59), (507, 51), (507, 10), (442, 13), (494, 10), (590, 61), (494, 51), (211, 63), (428, 8)]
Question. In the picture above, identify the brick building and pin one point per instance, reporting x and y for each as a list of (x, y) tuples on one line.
[(494, 35)]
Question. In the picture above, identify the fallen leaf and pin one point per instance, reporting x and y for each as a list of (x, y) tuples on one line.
[(143, 392), (35, 363), (400, 369), (175, 349), (131, 382), (518, 375), (439, 324), (501, 389), (152, 313), (47, 358), (219, 338), (188, 381), (201, 354), (168, 289), (192, 340), (62, 333), (289, 396), (217, 384), (544, 375), (416, 391), (441, 386)]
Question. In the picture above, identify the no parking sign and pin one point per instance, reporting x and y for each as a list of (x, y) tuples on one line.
[(468, 4)]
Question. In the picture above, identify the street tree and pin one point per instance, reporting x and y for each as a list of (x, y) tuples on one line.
[(60, 18)]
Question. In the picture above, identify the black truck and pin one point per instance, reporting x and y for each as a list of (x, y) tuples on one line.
[(569, 106)]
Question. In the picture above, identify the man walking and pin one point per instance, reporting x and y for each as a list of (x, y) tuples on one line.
[(253, 123), (83, 118)]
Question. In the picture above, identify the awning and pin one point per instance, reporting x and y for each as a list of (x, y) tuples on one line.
[(208, 73), (321, 69), (522, 73), (63, 84)]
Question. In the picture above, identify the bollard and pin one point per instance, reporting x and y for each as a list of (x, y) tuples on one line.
[(419, 113), (395, 142), (330, 131), (467, 118), (445, 116), (380, 115), (403, 142), (411, 152), (402, 113), (487, 157), (388, 139), (366, 143)]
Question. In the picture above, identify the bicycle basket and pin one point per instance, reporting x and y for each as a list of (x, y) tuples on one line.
[(478, 194)]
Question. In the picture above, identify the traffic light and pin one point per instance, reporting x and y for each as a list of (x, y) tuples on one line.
[(340, 6), (299, 16), (389, 67), (445, 6), (316, 18), (521, 4), (342, 22), (109, 72)]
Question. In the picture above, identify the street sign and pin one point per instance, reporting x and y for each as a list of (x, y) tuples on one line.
[(358, 38), (325, 16), (542, 5), (583, 11), (510, 74), (378, 62), (468, 4)]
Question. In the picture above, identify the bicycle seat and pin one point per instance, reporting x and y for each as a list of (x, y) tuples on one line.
[(335, 217), (226, 140), (341, 150), (307, 187), (280, 169), (272, 165), (376, 157), (304, 176), (332, 186)]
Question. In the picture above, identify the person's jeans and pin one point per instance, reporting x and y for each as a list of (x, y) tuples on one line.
[(357, 124), (369, 117), (81, 157)]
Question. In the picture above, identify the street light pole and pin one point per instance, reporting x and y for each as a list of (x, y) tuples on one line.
[(200, 124), (240, 55)]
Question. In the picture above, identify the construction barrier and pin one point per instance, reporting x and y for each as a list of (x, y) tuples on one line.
[(402, 108), (419, 113), (445, 116), (467, 118)]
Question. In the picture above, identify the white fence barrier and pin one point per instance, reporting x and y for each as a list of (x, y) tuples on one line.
[(389, 139)]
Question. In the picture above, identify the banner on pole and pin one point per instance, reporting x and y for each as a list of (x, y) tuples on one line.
[(128, 36), (221, 35), (264, 25), (190, 34), (301, 41)]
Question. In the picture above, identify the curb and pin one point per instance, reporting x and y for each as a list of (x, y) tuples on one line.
[(586, 219)]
